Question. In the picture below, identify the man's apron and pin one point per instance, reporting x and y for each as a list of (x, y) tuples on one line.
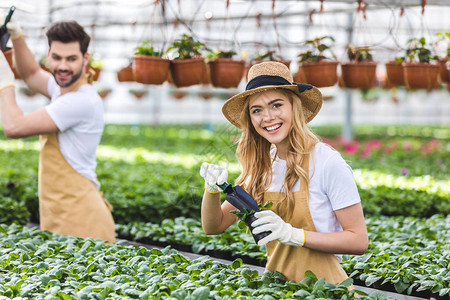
[(292, 261), (69, 203)]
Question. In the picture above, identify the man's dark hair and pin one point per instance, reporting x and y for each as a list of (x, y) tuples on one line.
[(67, 32)]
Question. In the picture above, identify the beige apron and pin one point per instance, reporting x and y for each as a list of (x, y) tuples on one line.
[(69, 203), (291, 261)]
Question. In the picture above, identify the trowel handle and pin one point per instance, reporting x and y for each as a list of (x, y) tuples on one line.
[(8, 17), (226, 187)]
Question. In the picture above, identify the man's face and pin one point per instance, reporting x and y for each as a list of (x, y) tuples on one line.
[(66, 62)]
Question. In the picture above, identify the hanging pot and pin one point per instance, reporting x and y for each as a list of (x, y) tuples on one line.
[(9, 58), (187, 72), (125, 74), (394, 73), (320, 74), (226, 72), (150, 69), (359, 75), (421, 75), (443, 72)]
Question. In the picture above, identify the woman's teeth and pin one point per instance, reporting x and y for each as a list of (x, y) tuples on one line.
[(274, 127)]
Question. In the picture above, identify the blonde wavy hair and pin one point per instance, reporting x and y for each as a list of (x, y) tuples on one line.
[(253, 152)]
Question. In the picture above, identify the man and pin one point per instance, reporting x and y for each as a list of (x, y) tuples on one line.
[(70, 129)]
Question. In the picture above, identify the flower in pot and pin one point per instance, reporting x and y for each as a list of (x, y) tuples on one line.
[(360, 71), (319, 69), (188, 66), (224, 70), (95, 64), (418, 69), (149, 67)]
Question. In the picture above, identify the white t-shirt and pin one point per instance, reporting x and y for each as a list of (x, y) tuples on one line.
[(331, 186), (79, 118)]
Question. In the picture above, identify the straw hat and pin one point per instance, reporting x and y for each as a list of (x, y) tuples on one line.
[(272, 75)]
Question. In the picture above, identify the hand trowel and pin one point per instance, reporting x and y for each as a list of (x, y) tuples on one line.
[(240, 199), (4, 35)]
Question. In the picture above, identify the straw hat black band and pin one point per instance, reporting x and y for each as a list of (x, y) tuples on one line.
[(265, 80)]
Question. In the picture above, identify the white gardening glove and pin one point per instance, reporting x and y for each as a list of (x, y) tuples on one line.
[(213, 175), (6, 75), (13, 26), (281, 231)]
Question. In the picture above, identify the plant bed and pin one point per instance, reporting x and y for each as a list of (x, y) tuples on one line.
[(73, 268)]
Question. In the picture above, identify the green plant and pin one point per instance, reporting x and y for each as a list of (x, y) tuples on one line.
[(444, 37), (146, 48), (359, 54), (319, 46), (417, 51), (267, 56), (211, 54), (243, 215), (186, 47)]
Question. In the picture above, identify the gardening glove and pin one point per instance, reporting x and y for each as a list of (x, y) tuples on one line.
[(281, 231), (6, 75), (213, 175), (13, 27)]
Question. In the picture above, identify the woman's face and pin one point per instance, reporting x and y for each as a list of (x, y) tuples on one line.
[(271, 115)]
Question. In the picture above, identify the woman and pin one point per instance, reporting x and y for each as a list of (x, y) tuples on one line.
[(316, 213)]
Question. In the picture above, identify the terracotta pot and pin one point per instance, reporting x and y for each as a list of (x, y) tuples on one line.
[(394, 73), (205, 76), (125, 74), (443, 71), (139, 94), (226, 72), (421, 75), (359, 75), (187, 72), (8, 53), (97, 72), (150, 69), (320, 74), (9, 58)]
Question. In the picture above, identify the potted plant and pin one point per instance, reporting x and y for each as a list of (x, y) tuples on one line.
[(96, 64), (419, 71), (444, 61), (125, 74), (270, 55), (394, 72), (188, 66), (149, 66), (360, 71), (43, 63), (319, 69), (9, 58), (225, 71)]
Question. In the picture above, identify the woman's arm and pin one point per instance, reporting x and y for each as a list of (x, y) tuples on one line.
[(216, 218), (352, 240)]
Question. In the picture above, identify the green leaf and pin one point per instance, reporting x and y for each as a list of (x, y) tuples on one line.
[(201, 293)]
